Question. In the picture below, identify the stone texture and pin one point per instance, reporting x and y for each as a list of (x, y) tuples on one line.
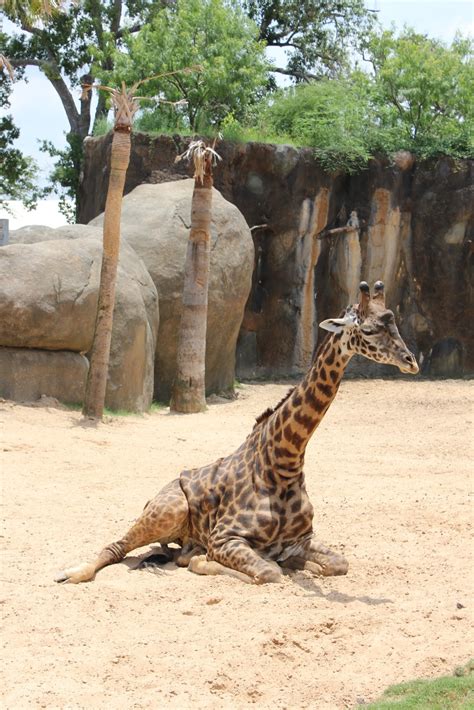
[(52, 304), (403, 159), (155, 222), (48, 294), (442, 257), (27, 374), (416, 231), (33, 233)]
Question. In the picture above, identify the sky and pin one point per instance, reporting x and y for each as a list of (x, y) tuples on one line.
[(39, 114)]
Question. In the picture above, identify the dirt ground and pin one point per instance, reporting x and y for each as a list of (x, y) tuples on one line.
[(389, 474)]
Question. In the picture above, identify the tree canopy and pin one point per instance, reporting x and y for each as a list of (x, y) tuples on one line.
[(74, 46), (423, 90), (213, 34), (418, 96), (318, 36), (411, 91), (70, 48)]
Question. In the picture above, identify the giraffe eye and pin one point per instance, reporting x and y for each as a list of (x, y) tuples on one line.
[(368, 330)]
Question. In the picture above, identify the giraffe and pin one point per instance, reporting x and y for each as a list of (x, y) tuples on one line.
[(248, 514)]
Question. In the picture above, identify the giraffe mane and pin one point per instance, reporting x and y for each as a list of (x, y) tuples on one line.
[(268, 412)]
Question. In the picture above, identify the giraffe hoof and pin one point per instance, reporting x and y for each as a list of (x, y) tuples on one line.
[(62, 578), (341, 568), (269, 576), (74, 575)]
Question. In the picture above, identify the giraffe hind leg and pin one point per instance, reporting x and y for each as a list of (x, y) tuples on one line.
[(164, 519), (319, 560)]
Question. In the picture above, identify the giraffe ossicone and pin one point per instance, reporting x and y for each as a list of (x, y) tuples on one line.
[(248, 514)]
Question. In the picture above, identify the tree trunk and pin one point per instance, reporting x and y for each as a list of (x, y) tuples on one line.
[(189, 393), (99, 362)]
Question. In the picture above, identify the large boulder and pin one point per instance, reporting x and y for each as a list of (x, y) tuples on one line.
[(27, 374), (156, 222), (33, 233), (51, 304)]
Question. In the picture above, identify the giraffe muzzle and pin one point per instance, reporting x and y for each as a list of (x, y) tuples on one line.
[(409, 365)]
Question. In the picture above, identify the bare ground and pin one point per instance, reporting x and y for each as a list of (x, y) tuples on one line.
[(389, 474)]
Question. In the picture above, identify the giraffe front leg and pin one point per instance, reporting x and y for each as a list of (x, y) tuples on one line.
[(164, 519), (237, 559), (318, 559)]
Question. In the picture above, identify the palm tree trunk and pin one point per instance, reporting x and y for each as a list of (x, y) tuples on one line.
[(99, 362), (189, 393)]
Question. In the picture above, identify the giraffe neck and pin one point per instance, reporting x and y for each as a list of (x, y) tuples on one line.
[(291, 426)]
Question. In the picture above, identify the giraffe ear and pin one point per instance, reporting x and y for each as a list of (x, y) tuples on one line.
[(336, 325)]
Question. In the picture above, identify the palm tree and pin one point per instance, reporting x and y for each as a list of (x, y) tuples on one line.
[(125, 107), (189, 393), (125, 103)]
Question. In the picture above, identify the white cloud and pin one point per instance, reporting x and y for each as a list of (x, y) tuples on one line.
[(436, 18), (46, 213)]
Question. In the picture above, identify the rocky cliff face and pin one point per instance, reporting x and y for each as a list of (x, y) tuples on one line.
[(408, 223)]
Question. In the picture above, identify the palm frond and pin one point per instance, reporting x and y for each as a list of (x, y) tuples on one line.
[(34, 9), (126, 102), (5, 64), (199, 153)]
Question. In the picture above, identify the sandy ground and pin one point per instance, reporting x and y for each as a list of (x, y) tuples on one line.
[(389, 474)]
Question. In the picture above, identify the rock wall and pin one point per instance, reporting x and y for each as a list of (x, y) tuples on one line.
[(413, 227)]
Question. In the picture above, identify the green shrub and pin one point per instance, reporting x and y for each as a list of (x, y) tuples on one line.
[(331, 116), (102, 126)]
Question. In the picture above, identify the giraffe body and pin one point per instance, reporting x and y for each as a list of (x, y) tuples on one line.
[(239, 502), (249, 514)]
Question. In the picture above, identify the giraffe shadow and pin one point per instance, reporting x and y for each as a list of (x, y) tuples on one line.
[(309, 585), (85, 423), (152, 561), (158, 564)]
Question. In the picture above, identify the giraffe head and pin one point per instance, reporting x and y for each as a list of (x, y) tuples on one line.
[(369, 329)]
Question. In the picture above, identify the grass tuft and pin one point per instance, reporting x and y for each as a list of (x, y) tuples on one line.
[(155, 407), (447, 693)]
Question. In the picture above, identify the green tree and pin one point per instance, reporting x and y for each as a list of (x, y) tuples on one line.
[(419, 96), (18, 172), (212, 33), (318, 36), (423, 91), (70, 48)]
